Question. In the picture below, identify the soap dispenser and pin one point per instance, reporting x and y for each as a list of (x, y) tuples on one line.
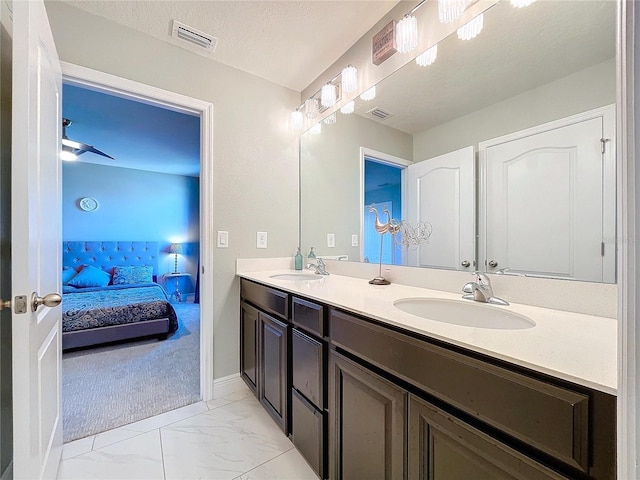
[(297, 260), (311, 254)]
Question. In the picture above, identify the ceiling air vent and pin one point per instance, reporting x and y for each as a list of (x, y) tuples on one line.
[(191, 35), (379, 113)]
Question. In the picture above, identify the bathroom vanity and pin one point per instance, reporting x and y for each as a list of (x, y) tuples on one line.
[(365, 390)]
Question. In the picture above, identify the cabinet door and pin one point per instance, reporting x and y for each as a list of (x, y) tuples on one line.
[(366, 423), (248, 345), (443, 447), (273, 354)]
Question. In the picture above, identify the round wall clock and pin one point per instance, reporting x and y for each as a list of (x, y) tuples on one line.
[(88, 204)]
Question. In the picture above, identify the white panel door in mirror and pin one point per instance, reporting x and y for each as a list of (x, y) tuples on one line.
[(441, 192), (544, 199)]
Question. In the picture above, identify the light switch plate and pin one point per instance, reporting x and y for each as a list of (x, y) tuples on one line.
[(331, 240), (261, 240), (354, 240), (223, 239)]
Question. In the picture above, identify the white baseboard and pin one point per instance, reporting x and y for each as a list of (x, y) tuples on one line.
[(223, 380)]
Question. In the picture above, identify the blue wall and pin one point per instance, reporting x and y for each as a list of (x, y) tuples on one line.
[(134, 205)]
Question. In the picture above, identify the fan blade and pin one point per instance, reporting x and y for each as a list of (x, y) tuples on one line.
[(79, 148), (95, 150)]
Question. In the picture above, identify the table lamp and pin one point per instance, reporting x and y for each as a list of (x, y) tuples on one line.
[(176, 248)]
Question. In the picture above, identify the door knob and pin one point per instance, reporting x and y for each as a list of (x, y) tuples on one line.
[(493, 264), (49, 300), (466, 263)]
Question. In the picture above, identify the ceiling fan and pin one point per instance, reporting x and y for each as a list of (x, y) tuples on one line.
[(72, 149)]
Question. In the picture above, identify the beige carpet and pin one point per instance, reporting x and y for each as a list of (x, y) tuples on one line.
[(107, 387)]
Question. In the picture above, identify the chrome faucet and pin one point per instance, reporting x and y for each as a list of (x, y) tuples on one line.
[(319, 267), (481, 290)]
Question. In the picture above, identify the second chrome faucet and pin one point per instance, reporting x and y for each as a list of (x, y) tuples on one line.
[(481, 290)]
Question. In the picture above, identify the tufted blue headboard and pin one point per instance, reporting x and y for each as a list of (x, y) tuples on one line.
[(106, 255)]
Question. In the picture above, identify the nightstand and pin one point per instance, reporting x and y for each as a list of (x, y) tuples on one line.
[(176, 294)]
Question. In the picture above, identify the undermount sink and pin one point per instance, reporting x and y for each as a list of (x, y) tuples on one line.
[(296, 276), (463, 312)]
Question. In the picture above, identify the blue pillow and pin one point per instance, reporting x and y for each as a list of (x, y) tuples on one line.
[(90, 276), (132, 274), (67, 274)]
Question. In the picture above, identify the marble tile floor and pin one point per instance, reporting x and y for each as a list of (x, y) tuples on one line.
[(230, 437)]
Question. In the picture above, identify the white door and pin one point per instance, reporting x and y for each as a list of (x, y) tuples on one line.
[(545, 203), (36, 243), (441, 191)]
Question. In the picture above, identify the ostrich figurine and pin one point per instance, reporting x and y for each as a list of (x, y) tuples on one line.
[(381, 228)]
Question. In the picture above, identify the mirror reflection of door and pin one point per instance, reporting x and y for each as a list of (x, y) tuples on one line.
[(383, 189), (441, 191), (547, 193)]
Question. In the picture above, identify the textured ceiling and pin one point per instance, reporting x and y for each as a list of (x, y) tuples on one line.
[(289, 43), (518, 50)]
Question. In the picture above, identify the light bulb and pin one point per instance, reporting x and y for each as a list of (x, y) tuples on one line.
[(297, 120), (331, 119), (67, 155), (311, 108), (329, 95), (471, 29), (450, 10), (348, 108), (407, 34), (428, 57), (349, 79), (369, 94)]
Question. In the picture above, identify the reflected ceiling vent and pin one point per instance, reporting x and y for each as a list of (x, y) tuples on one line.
[(379, 113), (196, 37)]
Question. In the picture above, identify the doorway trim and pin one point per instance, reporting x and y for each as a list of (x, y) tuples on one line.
[(387, 159), (132, 90)]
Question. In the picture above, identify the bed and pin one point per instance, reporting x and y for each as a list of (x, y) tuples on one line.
[(110, 293)]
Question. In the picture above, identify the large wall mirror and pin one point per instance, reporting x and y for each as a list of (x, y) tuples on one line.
[(504, 145)]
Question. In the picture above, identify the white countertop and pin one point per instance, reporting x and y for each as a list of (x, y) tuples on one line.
[(575, 347)]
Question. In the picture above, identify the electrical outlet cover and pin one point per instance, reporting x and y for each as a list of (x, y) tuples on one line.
[(331, 240)]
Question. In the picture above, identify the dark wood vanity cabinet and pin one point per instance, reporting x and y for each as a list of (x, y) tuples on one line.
[(367, 423), (308, 385), (264, 353), (283, 358), (466, 412), (363, 399), (443, 447)]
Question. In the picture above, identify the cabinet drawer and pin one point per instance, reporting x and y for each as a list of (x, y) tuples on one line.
[(548, 417), (268, 299), (308, 316), (307, 364), (307, 432)]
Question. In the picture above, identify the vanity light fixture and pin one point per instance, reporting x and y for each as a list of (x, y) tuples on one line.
[(331, 119), (348, 108), (428, 57), (521, 3), (471, 29), (311, 108), (407, 34), (316, 129), (349, 79), (450, 10), (369, 94), (297, 120), (329, 95)]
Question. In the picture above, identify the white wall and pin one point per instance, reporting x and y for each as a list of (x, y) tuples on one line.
[(561, 98), (330, 176), (255, 171)]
